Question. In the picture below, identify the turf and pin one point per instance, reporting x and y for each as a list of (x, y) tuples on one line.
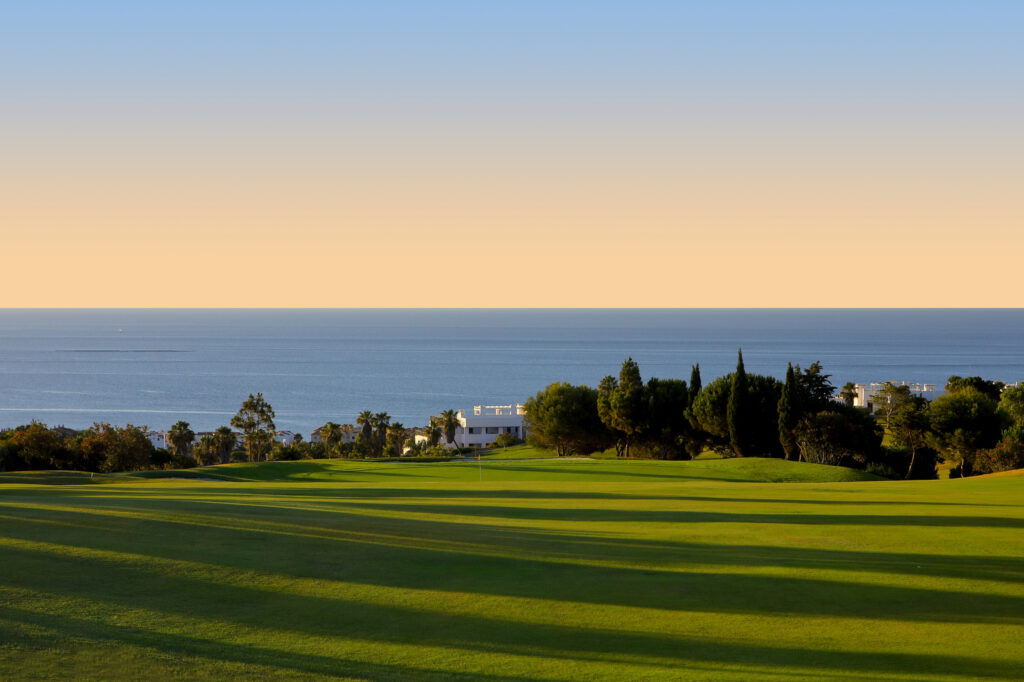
[(570, 470), (544, 570)]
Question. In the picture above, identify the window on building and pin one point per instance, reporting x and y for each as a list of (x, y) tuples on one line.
[(492, 429)]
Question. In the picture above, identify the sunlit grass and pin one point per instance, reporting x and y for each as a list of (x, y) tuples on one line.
[(606, 570)]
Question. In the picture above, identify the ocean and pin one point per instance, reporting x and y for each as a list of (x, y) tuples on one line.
[(154, 367)]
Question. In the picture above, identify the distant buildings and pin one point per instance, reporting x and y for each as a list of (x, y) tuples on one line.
[(481, 425), (285, 438), (866, 394), (158, 439), (346, 435)]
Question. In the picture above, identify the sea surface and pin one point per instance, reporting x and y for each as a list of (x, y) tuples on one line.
[(154, 367)]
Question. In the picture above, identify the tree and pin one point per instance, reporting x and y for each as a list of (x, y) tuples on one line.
[(330, 436), (205, 450), (433, 432), (790, 412), (1006, 455), (992, 389), (848, 393), (34, 446), (840, 436), (964, 422), (381, 420), (226, 441), (890, 398), (180, 436), (449, 422), (668, 431), (1011, 404), (621, 406), (815, 388), (605, 389), (564, 418), (396, 437), (695, 383), (737, 411), (909, 426), (118, 449), (710, 414), (365, 422), (255, 420)]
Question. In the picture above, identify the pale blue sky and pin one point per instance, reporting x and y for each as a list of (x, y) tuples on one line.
[(784, 129)]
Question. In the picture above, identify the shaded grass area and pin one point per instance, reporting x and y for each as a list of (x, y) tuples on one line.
[(645, 577), (751, 469)]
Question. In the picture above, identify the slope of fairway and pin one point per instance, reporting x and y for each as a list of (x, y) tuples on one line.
[(346, 471), (652, 575)]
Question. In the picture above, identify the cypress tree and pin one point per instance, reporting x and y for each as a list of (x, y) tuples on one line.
[(789, 412), (622, 405), (737, 412), (695, 384)]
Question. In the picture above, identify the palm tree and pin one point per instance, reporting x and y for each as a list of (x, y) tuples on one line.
[(365, 440), (449, 423), (365, 422), (226, 442), (383, 420), (205, 450), (330, 434), (396, 438), (180, 437), (848, 392), (433, 432)]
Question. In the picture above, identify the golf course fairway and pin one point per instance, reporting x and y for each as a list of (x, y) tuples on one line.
[(511, 570)]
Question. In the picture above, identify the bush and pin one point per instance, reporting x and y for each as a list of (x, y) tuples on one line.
[(160, 459), (289, 453), (883, 469), (507, 440), (1006, 455), (182, 461)]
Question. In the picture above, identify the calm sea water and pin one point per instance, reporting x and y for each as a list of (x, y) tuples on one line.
[(154, 367)]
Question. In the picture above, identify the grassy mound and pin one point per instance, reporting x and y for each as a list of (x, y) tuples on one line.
[(751, 470)]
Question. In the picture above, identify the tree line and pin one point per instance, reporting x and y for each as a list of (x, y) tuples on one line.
[(251, 437), (977, 425)]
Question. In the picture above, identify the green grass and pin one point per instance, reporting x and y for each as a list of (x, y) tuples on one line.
[(544, 570), (571, 470), (516, 452)]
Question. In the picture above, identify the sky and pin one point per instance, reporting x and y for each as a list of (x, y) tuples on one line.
[(555, 153)]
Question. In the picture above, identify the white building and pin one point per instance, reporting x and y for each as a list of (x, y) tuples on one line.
[(347, 435), (867, 393), (158, 439), (284, 437), (481, 426)]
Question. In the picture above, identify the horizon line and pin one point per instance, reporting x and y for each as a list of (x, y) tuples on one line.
[(514, 308)]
